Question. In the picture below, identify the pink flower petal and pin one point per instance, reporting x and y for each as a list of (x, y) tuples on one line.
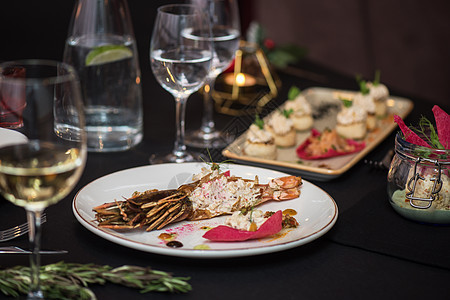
[(224, 233), (410, 136), (443, 126)]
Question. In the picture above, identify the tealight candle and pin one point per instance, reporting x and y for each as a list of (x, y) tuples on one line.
[(241, 80)]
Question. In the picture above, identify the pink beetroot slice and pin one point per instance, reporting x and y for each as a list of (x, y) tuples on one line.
[(303, 154), (410, 136), (224, 233), (443, 126)]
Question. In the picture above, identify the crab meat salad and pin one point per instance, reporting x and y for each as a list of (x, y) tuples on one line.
[(221, 196), (246, 221)]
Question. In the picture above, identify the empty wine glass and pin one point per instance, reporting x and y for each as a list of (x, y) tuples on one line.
[(180, 54), (45, 166), (225, 24)]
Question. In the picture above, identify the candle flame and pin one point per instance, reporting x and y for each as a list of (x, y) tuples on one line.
[(240, 79)]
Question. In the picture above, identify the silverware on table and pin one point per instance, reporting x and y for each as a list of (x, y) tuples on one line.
[(16, 231), (18, 250), (383, 164)]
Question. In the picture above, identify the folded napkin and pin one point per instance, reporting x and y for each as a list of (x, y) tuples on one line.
[(372, 224)]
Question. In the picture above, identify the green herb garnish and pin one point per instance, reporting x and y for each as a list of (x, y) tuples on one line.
[(287, 112), (362, 85), (259, 122), (426, 129), (376, 80), (251, 215), (293, 92), (71, 280), (346, 102), (214, 166)]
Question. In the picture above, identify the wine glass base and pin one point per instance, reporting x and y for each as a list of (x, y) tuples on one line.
[(172, 158), (35, 295), (201, 139)]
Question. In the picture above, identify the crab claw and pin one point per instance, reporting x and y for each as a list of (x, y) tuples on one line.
[(287, 182), (286, 194), (283, 188)]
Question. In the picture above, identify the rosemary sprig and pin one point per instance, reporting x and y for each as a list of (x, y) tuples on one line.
[(71, 280)]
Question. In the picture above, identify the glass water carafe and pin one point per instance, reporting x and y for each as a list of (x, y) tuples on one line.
[(102, 48)]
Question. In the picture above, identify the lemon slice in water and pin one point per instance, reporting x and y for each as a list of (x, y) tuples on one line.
[(106, 54)]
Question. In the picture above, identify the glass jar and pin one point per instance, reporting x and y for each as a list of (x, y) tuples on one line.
[(419, 183)]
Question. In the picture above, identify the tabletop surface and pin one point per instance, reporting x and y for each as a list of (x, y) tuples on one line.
[(370, 253)]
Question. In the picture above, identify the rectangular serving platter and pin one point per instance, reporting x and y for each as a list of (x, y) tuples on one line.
[(325, 104)]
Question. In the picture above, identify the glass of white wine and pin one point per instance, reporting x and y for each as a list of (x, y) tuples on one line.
[(180, 54), (45, 165)]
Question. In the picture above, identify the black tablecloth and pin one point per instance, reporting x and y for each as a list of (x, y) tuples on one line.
[(370, 253)]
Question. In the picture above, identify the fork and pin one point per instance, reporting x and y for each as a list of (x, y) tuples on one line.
[(383, 164), (16, 231)]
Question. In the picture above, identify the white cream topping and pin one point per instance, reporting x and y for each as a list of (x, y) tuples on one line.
[(379, 91), (299, 105), (222, 196), (242, 222), (352, 114), (280, 124), (257, 135), (365, 101)]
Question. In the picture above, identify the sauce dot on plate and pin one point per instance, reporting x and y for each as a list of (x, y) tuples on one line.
[(202, 247), (290, 212), (166, 236), (174, 244)]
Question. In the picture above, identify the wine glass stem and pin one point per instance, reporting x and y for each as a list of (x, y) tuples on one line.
[(180, 147), (208, 125), (34, 222)]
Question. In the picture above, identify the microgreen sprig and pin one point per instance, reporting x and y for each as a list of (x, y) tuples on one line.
[(293, 93), (250, 218), (346, 102), (426, 129), (259, 122), (362, 85), (214, 166), (376, 80), (287, 112)]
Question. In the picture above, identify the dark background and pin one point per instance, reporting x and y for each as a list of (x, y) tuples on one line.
[(408, 40)]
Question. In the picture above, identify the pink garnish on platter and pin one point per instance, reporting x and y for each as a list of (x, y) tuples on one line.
[(224, 233), (443, 126), (410, 136), (302, 153)]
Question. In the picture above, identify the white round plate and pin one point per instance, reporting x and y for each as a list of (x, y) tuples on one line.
[(317, 213), (11, 137)]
